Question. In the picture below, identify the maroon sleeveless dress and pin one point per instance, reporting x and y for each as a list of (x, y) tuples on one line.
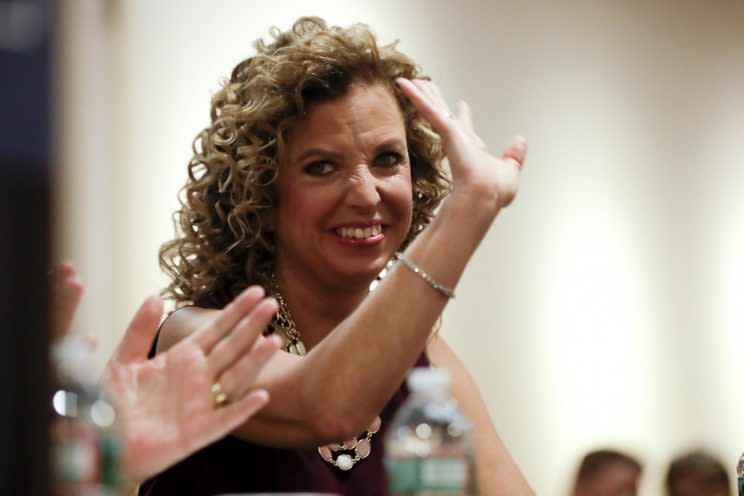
[(231, 465)]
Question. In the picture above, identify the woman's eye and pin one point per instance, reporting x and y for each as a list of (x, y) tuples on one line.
[(318, 168), (389, 159)]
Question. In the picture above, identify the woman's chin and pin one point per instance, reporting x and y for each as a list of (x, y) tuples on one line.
[(361, 275)]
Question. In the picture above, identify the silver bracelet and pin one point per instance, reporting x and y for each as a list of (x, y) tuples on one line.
[(449, 293)]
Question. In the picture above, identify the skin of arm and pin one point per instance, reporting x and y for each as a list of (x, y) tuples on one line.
[(314, 403), (497, 472)]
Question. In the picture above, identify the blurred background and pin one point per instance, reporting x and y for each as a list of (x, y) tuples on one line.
[(606, 306)]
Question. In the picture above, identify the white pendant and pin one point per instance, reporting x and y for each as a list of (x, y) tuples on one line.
[(344, 462), (300, 348)]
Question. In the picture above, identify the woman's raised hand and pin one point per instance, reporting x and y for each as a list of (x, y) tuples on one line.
[(474, 169)]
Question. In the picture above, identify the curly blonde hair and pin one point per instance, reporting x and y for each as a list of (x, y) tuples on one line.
[(221, 244)]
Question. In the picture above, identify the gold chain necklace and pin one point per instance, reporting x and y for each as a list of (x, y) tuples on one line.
[(343, 455), (283, 319)]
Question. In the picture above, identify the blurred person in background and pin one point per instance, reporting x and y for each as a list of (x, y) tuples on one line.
[(323, 162), (607, 473), (697, 473), (164, 418)]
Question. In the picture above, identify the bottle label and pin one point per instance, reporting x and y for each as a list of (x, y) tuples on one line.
[(434, 475), (110, 453), (85, 458), (76, 456)]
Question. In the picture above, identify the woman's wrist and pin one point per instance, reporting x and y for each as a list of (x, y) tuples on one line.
[(478, 206)]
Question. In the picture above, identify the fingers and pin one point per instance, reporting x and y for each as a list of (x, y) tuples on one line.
[(430, 105), (465, 114), (139, 335), (227, 418), (428, 100), (238, 378), (212, 333), (465, 117), (66, 289), (516, 151), (240, 340), (432, 92)]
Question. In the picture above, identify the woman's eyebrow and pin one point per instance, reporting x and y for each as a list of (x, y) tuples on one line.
[(396, 144), (325, 152)]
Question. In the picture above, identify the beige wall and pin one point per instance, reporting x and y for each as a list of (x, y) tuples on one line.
[(606, 307)]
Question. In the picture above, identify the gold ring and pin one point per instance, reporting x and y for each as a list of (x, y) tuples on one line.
[(220, 396)]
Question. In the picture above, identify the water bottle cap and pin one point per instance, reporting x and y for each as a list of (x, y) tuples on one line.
[(429, 380)]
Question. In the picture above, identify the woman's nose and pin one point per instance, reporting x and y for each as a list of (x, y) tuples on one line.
[(363, 188)]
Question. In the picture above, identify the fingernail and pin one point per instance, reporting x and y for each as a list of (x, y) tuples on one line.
[(261, 394)]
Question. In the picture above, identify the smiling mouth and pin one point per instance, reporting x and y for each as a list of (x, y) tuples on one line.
[(359, 232)]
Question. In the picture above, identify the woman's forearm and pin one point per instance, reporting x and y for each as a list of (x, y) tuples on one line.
[(348, 377)]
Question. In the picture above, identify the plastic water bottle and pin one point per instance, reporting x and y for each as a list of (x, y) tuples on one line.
[(86, 449), (428, 446), (740, 475)]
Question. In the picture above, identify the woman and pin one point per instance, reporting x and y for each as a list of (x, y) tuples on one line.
[(322, 161)]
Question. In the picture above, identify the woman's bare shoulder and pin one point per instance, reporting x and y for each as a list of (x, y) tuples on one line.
[(183, 322)]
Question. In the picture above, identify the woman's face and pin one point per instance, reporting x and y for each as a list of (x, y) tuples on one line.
[(344, 189)]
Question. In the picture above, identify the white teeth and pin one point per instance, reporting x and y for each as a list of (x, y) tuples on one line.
[(358, 232)]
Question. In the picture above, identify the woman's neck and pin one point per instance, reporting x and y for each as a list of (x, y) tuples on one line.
[(317, 309)]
